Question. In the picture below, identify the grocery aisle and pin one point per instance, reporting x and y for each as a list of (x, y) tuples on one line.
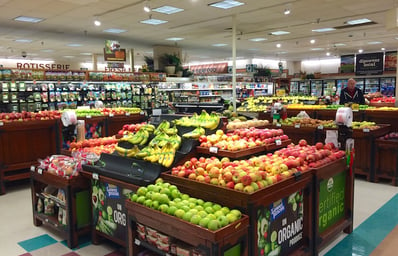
[(375, 210)]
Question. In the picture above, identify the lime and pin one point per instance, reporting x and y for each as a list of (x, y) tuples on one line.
[(109, 210), (294, 207), (274, 235)]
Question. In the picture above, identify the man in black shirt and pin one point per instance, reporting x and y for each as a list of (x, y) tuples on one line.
[(351, 94)]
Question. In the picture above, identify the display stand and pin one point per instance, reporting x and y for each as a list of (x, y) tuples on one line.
[(330, 114), (294, 112), (115, 123), (383, 117), (386, 160), (213, 243), (333, 202), (296, 133), (76, 205), (259, 205), (22, 143)]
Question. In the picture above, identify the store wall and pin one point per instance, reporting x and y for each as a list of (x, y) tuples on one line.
[(159, 50), (325, 66)]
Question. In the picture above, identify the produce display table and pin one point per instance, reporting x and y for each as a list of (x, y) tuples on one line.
[(272, 210), (334, 202), (214, 243), (330, 114), (75, 205), (109, 214), (294, 112), (22, 143), (115, 123), (386, 160), (297, 133), (383, 117)]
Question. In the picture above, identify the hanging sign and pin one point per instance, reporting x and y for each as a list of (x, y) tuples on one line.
[(390, 61), (369, 64), (216, 68), (347, 63)]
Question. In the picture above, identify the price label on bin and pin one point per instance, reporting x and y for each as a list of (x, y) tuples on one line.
[(320, 127), (297, 126), (32, 168), (127, 114), (278, 125), (137, 242), (366, 130), (110, 115), (213, 150), (95, 176), (88, 116), (278, 142), (1, 123), (40, 171)]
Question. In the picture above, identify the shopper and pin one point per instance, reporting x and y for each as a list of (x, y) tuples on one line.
[(351, 94)]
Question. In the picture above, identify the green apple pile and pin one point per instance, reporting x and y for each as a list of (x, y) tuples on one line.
[(164, 197), (308, 122), (365, 125)]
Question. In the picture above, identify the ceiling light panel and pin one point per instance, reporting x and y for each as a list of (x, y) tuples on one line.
[(153, 21), (227, 4), (47, 50), (375, 42), (74, 45), (279, 33), (339, 44), (28, 19), (167, 9), (358, 21), (115, 30), (258, 39), (175, 38), (320, 30), (219, 45), (23, 40), (317, 49)]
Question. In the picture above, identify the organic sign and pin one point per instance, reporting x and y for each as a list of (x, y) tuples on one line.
[(331, 201), (280, 226), (369, 64), (109, 213)]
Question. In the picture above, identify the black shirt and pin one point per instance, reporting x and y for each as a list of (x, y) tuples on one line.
[(345, 97)]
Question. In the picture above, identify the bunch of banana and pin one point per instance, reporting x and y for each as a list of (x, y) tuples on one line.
[(171, 131), (167, 155), (154, 154), (164, 125), (175, 141), (141, 137), (125, 152), (204, 120), (149, 127), (184, 121), (195, 134)]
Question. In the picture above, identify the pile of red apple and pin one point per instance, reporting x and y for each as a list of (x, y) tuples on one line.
[(315, 156), (390, 136), (383, 100), (130, 128), (90, 143), (242, 138), (28, 116)]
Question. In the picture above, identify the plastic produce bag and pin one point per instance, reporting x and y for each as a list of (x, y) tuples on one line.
[(303, 114)]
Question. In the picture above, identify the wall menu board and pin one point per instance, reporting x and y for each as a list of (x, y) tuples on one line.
[(347, 63), (390, 61), (369, 64)]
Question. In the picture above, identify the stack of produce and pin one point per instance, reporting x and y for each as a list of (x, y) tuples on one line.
[(92, 112), (97, 146), (390, 136), (365, 125), (308, 122), (28, 116), (130, 128), (60, 165), (204, 120), (164, 197), (256, 104), (238, 124)]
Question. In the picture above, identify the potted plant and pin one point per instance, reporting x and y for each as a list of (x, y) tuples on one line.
[(170, 62), (149, 63)]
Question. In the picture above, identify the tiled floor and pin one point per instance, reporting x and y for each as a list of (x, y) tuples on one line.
[(375, 217)]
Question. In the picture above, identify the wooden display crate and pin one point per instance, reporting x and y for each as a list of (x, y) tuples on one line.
[(297, 133), (330, 114), (213, 242), (259, 203), (22, 143), (334, 202), (383, 117), (295, 112), (115, 123), (386, 160), (76, 204)]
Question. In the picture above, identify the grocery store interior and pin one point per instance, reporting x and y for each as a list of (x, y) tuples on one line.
[(198, 127)]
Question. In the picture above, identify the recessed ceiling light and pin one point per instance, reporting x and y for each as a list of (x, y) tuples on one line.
[(167, 9), (68, 56), (339, 44), (175, 38), (383, 49), (219, 45), (319, 30), (360, 51), (279, 33), (28, 19), (281, 52), (153, 21), (375, 42), (286, 12), (115, 30), (358, 21), (278, 45), (258, 39), (317, 49), (47, 50), (328, 54), (227, 4), (147, 7), (97, 22), (74, 45), (23, 40), (312, 41), (86, 53)]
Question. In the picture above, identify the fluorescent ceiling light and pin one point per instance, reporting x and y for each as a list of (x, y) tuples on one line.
[(168, 9), (47, 50), (68, 56), (375, 42), (339, 44), (28, 19), (115, 30), (286, 12), (360, 51), (97, 22), (227, 4), (175, 38), (278, 45), (312, 41), (279, 33), (23, 40), (153, 21), (219, 45), (328, 54), (383, 49), (258, 39), (253, 49), (323, 30), (86, 53), (74, 45), (317, 49), (281, 52), (359, 21)]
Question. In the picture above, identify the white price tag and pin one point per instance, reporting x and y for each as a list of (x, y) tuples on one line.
[(167, 254), (142, 113), (110, 115), (366, 130), (320, 127), (88, 116), (1, 123), (46, 220), (32, 168), (95, 176), (278, 142), (137, 242), (40, 171), (57, 204), (278, 125), (127, 114), (297, 126), (213, 150)]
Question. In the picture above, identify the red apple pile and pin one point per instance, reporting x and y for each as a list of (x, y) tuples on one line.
[(130, 128), (28, 116), (315, 156), (390, 136), (104, 145), (242, 138)]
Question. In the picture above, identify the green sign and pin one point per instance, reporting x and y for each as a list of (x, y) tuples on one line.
[(331, 201)]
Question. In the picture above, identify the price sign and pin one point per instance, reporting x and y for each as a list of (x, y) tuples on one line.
[(88, 116), (278, 125), (320, 127), (142, 113), (127, 114), (297, 126), (366, 130), (95, 176), (32, 168), (213, 150), (110, 115), (1, 123), (278, 142), (137, 242), (40, 171)]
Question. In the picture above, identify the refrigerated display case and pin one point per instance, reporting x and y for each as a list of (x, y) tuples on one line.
[(360, 84), (329, 87), (341, 84), (316, 88), (371, 85), (387, 86), (294, 87), (304, 87)]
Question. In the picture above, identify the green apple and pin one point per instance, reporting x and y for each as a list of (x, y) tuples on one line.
[(211, 216), (216, 207), (195, 219), (206, 204), (225, 210), (134, 197), (141, 191), (213, 225), (164, 208), (199, 208), (231, 217), (199, 202), (193, 211), (185, 208), (209, 209), (223, 220), (202, 214), (172, 210), (179, 213), (184, 196), (187, 216), (148, 203), (204, 222), (219, 213), (237, 213), (141, 199), (164, 199), (155, 205)]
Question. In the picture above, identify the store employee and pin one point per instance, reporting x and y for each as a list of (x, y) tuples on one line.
[(351, 94)]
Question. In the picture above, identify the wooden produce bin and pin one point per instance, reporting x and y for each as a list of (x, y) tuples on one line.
[(386, 160), (115, 123), (333, 202), (76, 204), (330, 114), (295, 112), (214, 243), (109, 193), (271, 210), (22, 143), (383, 117), (298, 133)]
